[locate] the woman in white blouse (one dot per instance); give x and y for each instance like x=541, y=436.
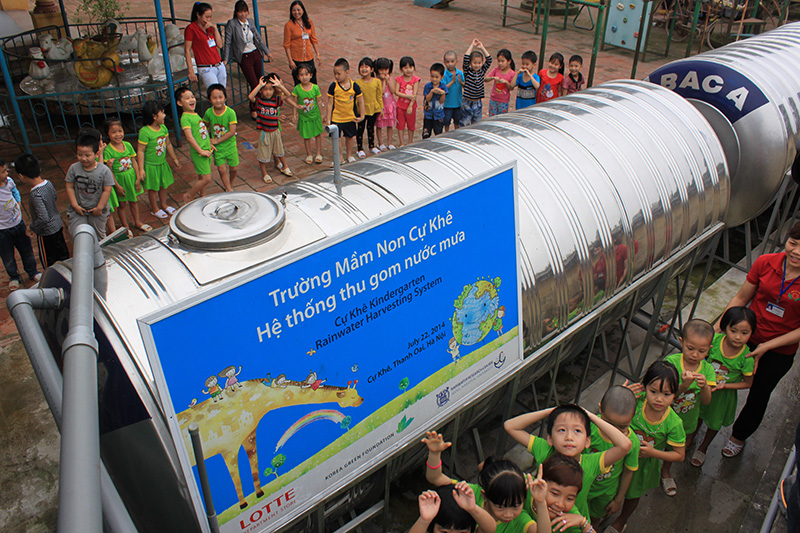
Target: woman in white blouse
x=243, y=44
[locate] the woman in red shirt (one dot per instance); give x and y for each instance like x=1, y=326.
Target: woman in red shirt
x=772, y=290
x=202, y=38
x=300, y=41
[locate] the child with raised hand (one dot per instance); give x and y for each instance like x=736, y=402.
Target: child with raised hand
x=551, y=79
x=407, y=89
x=476, y=65
x=608, y=490
x=196, y=133
x=734, y=371
x=222, y=122
x=433, y=96
x=372, y=91
x=154, y=146
x=388, y=117
x=501, y=489
x=120, y=156
x=454, y=81
x=657, y=426
x=267, y=97
x=309, y=121
x=574, y=81
x=562, y=480
x=46, y=221
x=696, y=378
x=503, y=77
x=452, y=509
x=569, y=433
x=89, y=185
x=527, y=81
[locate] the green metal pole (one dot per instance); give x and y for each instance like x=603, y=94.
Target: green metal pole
x=598, y=31
x=543, y=43
x=695, y=18
x=566, y=15
x=642, y=20
x=650, y=9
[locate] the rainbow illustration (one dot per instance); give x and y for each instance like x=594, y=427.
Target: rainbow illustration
x=322, y=414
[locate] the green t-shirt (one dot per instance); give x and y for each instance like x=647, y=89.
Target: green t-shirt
x=593, y=465
x=606, y=484
x=307, y=100
x=198, y=129
x=686, y=403
x=658, y=434
x=574, y=510
x=729, y=370
x=155, y=143
x=220, y=125
x=122, y=167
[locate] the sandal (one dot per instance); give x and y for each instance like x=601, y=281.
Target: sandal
x=309, y=160
x=698, y=459
x=318, y=159
x=130, y=234
x=145, y=227
x=266, y=179
x=669, y=486
x=159, y=214
x=286, y=171
x=732, y=449
x=171, y=210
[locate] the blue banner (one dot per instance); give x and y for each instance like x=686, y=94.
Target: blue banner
x=302, y=377
x=734, y=95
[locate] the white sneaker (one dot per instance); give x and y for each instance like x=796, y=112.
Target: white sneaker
x=351, y=159
x=382, y=148
x=392, y=147
x=361, y=154
x=375, y=151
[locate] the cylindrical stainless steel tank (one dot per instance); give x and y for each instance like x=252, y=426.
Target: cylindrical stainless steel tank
x=612, y=181
x=750, y=92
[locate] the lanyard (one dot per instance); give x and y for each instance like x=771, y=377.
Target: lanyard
x=783, y=280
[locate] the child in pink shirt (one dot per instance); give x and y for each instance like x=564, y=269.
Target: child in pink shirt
x=503, y=77
x=407, y=89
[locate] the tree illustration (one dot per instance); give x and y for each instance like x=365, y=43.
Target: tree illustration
x=345, y=424
x=278, y=461
x=404, y=384
x=270, y=471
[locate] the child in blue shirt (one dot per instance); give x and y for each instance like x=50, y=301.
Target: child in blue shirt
x=434, y=95
x=527, y=81
x=454, y=81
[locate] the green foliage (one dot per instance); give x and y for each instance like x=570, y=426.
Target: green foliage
x=404, y=423
x=459, y=303
x=403, y=384
x=496, y=282
x=278, y=461
x=345, y=424
x=99, y=11
x=270, y=471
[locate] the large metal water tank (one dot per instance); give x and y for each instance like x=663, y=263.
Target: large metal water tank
x=612, y=181
x=750, y=93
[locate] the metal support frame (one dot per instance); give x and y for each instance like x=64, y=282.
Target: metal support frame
x=13, y=97
x=167, y=67
x=200, y=461
x=772, y=512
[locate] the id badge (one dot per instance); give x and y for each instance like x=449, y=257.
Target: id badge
x=211, y=42
x=775, y=309
x=305, y=36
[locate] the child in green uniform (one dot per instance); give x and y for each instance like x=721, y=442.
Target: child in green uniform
x=453, y=509
x=501, y=489
x=119, y=155
x=734, y=371
x=309, y=122
x=196, y=133
x=696, y=378
x=154, y=146
x=656, y=425
x=608, y=490
x=221, y=121
x=563, y=480
x=568, y=433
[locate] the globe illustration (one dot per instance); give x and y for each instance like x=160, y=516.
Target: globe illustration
x=476, y=311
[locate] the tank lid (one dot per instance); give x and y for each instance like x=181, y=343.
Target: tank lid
x=227, y=220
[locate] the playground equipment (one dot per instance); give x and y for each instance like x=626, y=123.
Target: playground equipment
x=621, y=188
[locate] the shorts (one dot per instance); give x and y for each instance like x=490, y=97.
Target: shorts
x=431, y=126
x=157, y=177
x=346, y=129
x=227, y=156
x=269, y=145
x=451, y=113
x=471, y=111
x=497, y=108
x=202, y=165
x=406, y=121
